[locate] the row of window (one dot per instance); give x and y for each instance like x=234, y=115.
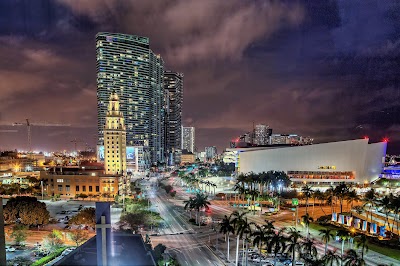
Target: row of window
x=77, y=188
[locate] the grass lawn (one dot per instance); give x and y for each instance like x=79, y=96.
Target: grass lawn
x=390, y=252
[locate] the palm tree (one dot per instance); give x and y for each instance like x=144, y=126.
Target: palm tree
x=318, y=194
x=341, y=192
x=362, y=241
x=277, y=243
x=351, y=197
x=352, y=259
x=262, y=235
x=370, y=199
x=293, y=241
x=237, y=220
x=331, y=257
x=343, y=235
x=200, y=201
x=307, y=219
x=330, y=196
x=386, y=204
x=327, y=235
x=226, y=228
x=189, y=204
x=308, y=249
x=307, y=192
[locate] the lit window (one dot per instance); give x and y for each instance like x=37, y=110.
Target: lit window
x=60, y=180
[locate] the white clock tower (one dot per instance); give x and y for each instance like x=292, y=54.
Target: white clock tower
x=114, y=139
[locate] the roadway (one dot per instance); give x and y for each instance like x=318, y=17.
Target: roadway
x=177, y=234
x=283, y=219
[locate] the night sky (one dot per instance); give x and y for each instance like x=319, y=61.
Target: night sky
x=326, y=69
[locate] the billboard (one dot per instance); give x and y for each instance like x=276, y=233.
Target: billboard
x=131, y=154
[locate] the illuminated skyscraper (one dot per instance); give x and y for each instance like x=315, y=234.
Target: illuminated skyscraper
x=126, y=65
x=261, y=135
x=188, y=139
x=114, y=139
x=173, y=84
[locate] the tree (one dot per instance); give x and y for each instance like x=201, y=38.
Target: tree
x=189, y=205
x=243, y=229
x=28, y=210
x=309, y=249
x=341, y=191
x=307, y=192
x=78, y=236
x=226, y=228
x=352, y=259
x=307, y=219
x=158, y=251
x=262, y=235
x=370, y=200
x=362, y=241
x=343, y=235
x=86, y=216
x=331, y=258
x=19, y=234
x=277, y=243
x=327, y=235
x=293, y=241
x=53, y=241
x=238, y=218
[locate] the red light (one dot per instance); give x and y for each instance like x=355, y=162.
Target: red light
x=386, y=140
x=366, y=137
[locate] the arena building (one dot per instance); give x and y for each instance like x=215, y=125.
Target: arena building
x=352, y=161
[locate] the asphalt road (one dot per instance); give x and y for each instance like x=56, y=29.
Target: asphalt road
x=282, y=219
x=180, y=240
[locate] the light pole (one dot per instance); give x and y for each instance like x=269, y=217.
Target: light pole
x=41, y=184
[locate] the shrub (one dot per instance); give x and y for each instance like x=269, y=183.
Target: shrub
x=49, y=258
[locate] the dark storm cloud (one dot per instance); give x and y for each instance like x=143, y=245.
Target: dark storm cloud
x=318, y=68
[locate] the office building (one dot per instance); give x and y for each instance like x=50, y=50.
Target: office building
x=352, y=161
x=211, y=152
x=188, y=141
x=114, y=139
x=173, y=85
x=127, y=65
x=261, y=135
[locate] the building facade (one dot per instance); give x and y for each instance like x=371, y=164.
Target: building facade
x=126, y=64
x=114, y=139
x=353, y=161
x=261, y=135
x=188, y=139
x=211, y=152
x=90, y=183
x=173, y=85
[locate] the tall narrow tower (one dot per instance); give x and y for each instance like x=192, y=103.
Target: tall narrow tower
x=114, y=138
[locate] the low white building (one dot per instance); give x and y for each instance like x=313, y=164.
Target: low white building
x=352, y=161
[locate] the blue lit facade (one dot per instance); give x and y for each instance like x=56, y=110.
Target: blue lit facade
x=391, y=172
x=126, y=64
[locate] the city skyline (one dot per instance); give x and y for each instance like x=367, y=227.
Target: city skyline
x=325, y=69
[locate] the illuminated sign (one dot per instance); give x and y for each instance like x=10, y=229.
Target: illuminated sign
x=327, y=167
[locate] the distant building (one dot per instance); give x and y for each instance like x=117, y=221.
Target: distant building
x=352, y=161
x=211, y=152
x=114, y=139
x=126, y=64
x=187, y=157
x=173, y=85
x=91, y=183
x=202, y=156
x=188, y=139
x=261, y=136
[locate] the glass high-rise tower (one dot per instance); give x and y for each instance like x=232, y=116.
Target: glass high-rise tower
x=127, y=65
x=173, y=84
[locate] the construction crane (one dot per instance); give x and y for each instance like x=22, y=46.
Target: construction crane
x=28, y=124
